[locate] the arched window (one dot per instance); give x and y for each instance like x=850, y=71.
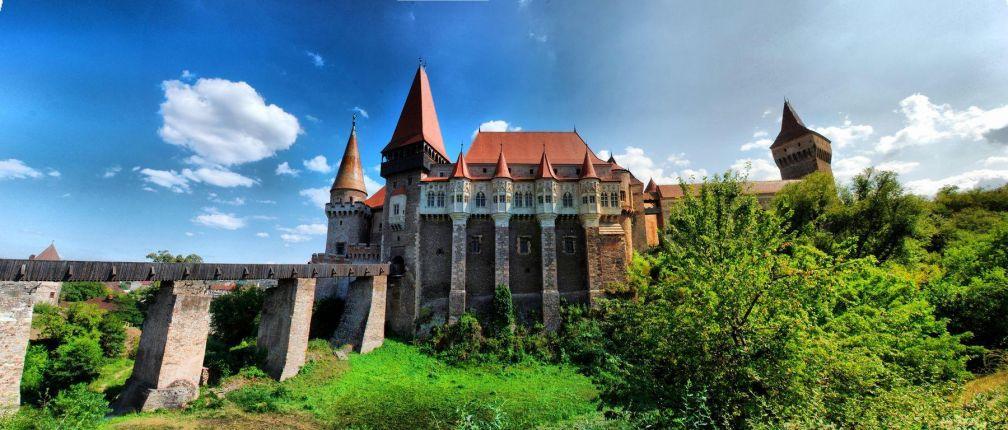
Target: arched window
x=480, y=199
x=528, y=199
x=440, y=199
x=605, y=200
x=517, y=199
x=568, y=200
x=430, y=199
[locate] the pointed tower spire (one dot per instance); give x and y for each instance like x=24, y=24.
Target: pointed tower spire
x=502, y=167
x=587, y=169
x=545, y=168
x=350, y=177
x=792, y=125
x=651, y=187
x=615, y=165
x=461, y=170
x=418, y=120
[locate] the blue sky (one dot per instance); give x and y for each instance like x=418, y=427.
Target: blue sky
x=127, y=127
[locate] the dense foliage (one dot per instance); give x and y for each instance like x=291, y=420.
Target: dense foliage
x=81, y=291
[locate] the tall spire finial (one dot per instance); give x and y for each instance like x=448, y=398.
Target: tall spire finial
x=353, y=124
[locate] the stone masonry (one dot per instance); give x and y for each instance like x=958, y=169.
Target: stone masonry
x=169, y=360
x=550, y=293
x=284, y=325
x=501, y=253
x=456, y=298
x=15, y=327
x=362, y=326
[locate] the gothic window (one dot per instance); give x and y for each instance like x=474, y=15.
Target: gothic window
x=517, y=199
x=340, y=248
x=549, y=198
x=395, y=209
x=524, y=245
x=568, y=200
x=540, y=199
x=568, y=245
x=480, y=199
x=591, y=199
x=458, y=198
x=474, y=244
x=605, y=200
x=622, y=196
x=528, y=199
x=430, y=199
x=584, y=200
x=440, y=199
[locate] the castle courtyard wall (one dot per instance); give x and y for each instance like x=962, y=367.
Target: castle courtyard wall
x=435, y=267
x=572, y=274
x=479, y=282
x=526, y=275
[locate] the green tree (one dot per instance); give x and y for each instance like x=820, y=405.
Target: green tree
x=112, y=335
x=164, y=256
x=33, y=375
x=78, y=408
x=75, y=361
x=803, y=204
x=235, y=316
x=82, y=291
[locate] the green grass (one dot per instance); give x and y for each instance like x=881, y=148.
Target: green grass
x=396, y=387
x=112, y=375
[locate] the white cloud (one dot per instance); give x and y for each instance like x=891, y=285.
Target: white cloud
x=767, y=113
x=926, y=123
x=218, y=177
x=318, y=164
x=312, y=118
x=54, y=173
x=985, y=178
x=847, y=167
x=316, y=59
x=495, y=125
x=317, y=196
x=224, y=122
x=996, y=161
x=763, y=144
x=371, y=185
x=267, y=202
x=111, y=172
x=237, y=201
x=294, y=238
x=314, y=229
x=678, y=159
x=846, y=134
x=262, y=234
x=644, y=168
x=538, y=37
x=169, y=179
x=211, y=217
x=189, y=233
x=187, y=75
x=12, y=168
x=899, y=167
x=285, y=169
x=757, y=169
x=360, y=111
x=759, y=133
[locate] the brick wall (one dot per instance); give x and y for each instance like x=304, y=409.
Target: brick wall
x=435, y=262
x=526, y=269
x=572, y=276
x=479, y=266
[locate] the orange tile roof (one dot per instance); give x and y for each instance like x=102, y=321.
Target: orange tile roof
x=587, y=168
x=502, y=170
x=545, y=167
x=351, y=173
x=525, y=147
x=461, y=168
x=48, y=254
x=418, y=120
x=377, y=199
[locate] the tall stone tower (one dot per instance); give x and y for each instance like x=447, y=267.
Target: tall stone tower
x=349, y=217
x=799, y=151
x=415, y=146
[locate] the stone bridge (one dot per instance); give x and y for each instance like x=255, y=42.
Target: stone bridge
x=169, y=359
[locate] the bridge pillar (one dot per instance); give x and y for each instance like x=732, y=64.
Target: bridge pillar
x=15, y=328
x=283, y=327
x=169, y=360
x=363, y=323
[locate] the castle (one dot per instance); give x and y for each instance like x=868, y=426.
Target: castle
x=538, y=212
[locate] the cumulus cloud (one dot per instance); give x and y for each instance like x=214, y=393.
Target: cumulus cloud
x=213, y=218
x=318, y=164
x=317, y=196
x=316, y=59
x=169, y=179
x=644, y=167
x=218, y=177
x=54, y=173
x=262, y=234
x=314, y=229
x=900, y=167
x=237, y=201
x=761, y=144
x=312, y=118
x=998, y=135
x=538, y=37
x=756, y=169
x=111, y=172
x=984, y=178
x=847, y=167
x=495, y=125
x=13, y=168
x=371, y=185
x=846, y=134
x=187, y=75
x=996, y=161
x=926, y=123
x=285, y=169
x=360, y=111
x=294, y=238
x=224, y=122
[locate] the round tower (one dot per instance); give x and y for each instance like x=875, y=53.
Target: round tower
x=349, y=217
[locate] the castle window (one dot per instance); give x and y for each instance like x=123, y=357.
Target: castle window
x=474, y=244
x=458, y=198
x=549, y=198
x=605, y=200
x=584, y=200
x=568, y=200
x=528, y=199
x=395, y=209
x=517, y=199
x=578, y=171
x=440, y=199
x=430, y=200
x=568, y=244
x=531, y=171
x=540, y=199
x=524, y=245
x=440, y=174
x=340, y=248
x=480, y=199
x=622, y=196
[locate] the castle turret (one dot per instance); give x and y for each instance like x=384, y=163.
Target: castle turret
x=349, y=183
x=546, y=185
x=799, y=151
x=589, y=187
x=501, y=187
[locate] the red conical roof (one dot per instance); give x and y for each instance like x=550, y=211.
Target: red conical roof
x=587, y=168
x=545, y=168
x=502, y=167
x=351, y=173
x=48, y=254
x=418, y=120
x=461, y=168
x=651, y=186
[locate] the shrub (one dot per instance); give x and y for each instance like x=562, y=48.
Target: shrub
x=325, y=317
x=260, y=398
x=33, y=376
x=235, y=316
x=82, y=291
x=78, y=408
x=76, y=361
x=113, y=335
x=459, y=341
x=128, y=308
